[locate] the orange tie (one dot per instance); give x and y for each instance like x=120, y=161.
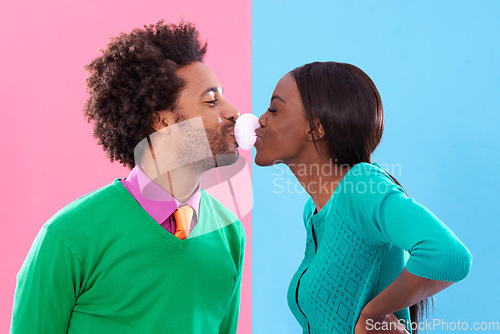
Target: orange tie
x=182, y=217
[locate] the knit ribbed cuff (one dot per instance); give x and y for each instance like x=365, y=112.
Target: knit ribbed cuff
x=450, y=267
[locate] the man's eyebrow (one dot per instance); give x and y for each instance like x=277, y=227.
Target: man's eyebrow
x=212, y=89
x=277, y=97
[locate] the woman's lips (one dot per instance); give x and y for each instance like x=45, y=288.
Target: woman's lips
x=258, y=138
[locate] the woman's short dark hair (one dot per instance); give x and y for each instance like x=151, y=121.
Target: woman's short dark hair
x=348, y=106
x=134, y=78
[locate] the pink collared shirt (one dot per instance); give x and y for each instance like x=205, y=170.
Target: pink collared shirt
x=156, y=201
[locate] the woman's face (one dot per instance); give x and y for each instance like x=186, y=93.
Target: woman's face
x=282, y=136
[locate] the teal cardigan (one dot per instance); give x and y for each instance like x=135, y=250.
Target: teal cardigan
x=359, y=243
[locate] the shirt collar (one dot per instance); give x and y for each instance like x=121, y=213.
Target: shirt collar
x=155, y=200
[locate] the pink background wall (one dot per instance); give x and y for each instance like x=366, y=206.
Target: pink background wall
x=50, y=156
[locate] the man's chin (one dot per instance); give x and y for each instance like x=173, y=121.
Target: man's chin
x=225, y=159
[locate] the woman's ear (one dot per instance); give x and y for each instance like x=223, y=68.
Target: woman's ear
x=315, y=131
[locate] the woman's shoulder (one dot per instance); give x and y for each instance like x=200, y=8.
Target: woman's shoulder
x=367, y=181
x=363, y=190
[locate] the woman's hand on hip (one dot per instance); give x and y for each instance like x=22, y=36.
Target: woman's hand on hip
x=388, y=324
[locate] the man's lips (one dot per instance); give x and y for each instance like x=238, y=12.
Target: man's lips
x=228, y=128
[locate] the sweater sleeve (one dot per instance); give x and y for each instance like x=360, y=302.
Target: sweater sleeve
x=47, y=286
x=229, y=323
x=390, y=216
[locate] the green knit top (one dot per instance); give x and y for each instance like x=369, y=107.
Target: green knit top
x=103, y=265
x=358, y=244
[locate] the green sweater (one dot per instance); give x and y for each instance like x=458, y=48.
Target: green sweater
x=103, y=265
x=357, y=245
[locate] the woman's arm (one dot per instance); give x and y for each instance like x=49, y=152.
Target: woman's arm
x=387, y=215
x=437, y=257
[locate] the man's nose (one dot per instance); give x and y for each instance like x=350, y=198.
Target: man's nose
x=230, y=112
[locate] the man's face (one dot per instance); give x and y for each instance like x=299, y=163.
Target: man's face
x=202, y=97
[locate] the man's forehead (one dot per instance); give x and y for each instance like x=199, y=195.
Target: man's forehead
x=198, y=76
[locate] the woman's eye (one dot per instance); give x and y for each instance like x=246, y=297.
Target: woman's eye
x=271, y=110
x=212, y=102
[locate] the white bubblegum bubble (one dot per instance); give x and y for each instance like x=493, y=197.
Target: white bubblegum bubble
x=244, y=130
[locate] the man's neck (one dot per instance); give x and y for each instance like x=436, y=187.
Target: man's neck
x=180, y=183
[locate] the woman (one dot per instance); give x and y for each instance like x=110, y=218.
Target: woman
x=324, y=122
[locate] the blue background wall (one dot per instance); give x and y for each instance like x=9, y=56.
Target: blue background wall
x=437, y=67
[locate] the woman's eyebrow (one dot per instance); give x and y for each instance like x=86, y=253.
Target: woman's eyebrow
x=277, y=97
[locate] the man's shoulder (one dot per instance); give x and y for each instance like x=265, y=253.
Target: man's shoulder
x=208, y=200
x=225, y=217
x=96, y=204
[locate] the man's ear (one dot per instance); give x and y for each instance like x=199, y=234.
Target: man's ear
x=315, y=131
x=162, y=119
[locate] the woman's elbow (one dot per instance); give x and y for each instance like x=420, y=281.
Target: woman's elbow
x=462, y=263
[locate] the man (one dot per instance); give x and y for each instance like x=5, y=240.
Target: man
x=152, y=253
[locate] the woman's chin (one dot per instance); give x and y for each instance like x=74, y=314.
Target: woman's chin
x=265, y=162
x=260, y=161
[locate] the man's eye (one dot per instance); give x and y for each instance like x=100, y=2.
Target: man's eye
x=212, y=102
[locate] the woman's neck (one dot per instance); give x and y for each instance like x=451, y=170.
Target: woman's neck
x=319, y=176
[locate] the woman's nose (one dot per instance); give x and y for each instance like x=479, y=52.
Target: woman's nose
x=263, y=119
